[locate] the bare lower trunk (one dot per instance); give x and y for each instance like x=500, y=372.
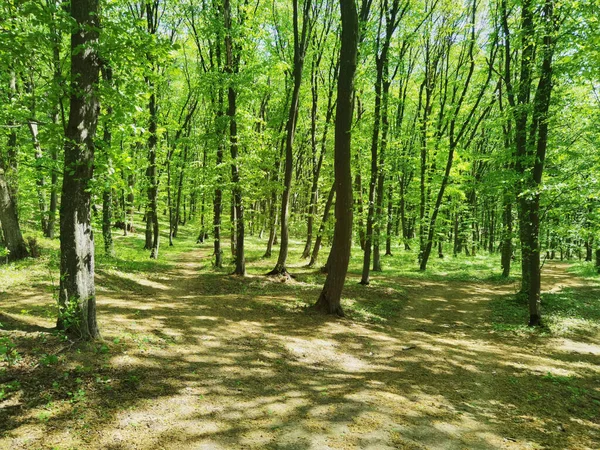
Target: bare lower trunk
x=272, y=225
x=390, y=221
x=107, y=221
x=507, y=231
x=13, y=237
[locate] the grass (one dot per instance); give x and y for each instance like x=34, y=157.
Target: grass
x=586, y=269
x=568, y=312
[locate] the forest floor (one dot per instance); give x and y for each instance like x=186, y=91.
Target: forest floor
x=195, y=358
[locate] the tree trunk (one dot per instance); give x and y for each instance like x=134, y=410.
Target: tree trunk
x=329, y=301
x=390, y=222
x=107, y=197
x=152, y=227
x=507, y=239
x=40, y=180
x=273, y=213
x=317, y=247
x=152, y=230
x=10, y=223
x=231, y=67
x=53, y=207
x=176, y=220
x=77, y=298
x=300, y=44
x=218, y=199
x=170, y=203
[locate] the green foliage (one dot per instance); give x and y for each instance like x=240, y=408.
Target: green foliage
x=8, y=351
x=48, y=360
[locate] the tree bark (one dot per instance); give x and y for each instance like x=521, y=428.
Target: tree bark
x=329, y=301
x=231, y=67
x=13, y=237
x=107, y=197
x=77, y=298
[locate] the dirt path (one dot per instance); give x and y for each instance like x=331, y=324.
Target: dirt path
x=202, y=360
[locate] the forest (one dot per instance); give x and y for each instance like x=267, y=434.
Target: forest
x=303, y=224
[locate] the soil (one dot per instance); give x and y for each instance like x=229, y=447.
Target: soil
x=192, y=359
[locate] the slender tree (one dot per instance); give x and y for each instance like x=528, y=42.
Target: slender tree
x=301, y=39
x=329, y=300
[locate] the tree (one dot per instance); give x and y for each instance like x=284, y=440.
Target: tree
x=531, y=129
x=77, y=296
x=301, y=38
x=329, y=300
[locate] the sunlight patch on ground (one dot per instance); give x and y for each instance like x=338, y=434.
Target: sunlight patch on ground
x=584, y=348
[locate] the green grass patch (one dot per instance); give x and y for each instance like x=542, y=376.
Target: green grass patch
x=572, y=311
x=585, y=269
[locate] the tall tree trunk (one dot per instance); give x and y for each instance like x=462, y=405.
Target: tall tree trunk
x=359, y=204
x=273, y=213
x=152, y=227
x=233, y=226
x=107, y=197
x=152, y=230
x=40, y=179
x=53, y=206
x=300, y=45
x=77, y=297
x=130, y=202
x=381, y=170
x=170, y=203
x=57, y=115
x=231, y=67
x=403, y=219
x=372, y=184
x=330, y=299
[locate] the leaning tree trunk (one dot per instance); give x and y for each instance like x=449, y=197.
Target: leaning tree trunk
x=77, y=298
x=329, y=300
